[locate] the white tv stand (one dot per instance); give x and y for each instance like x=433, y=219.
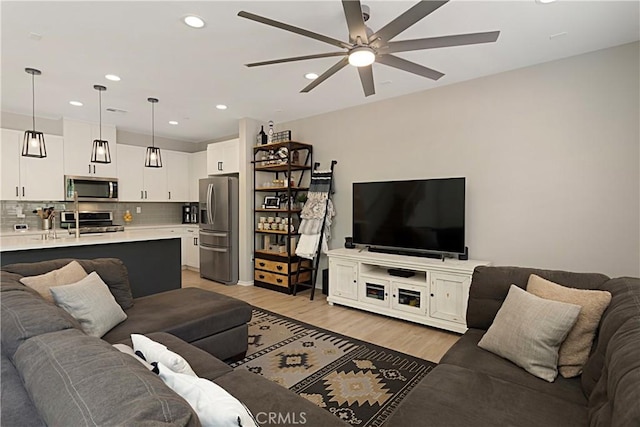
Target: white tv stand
x=436, y=295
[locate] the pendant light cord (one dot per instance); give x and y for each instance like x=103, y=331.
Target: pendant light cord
x=153, y=125
x=100, y=113
x=33, y=100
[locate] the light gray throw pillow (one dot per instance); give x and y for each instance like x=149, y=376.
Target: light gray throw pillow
x=91, y=303
x=528, y=331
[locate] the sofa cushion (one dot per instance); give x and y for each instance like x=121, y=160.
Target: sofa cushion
x=455, y=396
x=188, y=313
x=575, y=349
x=625, y=304
x=213, y=404
x=74, y=379
x=203, y=364
x=91, y=304
x=154, y=352
x=17, y=408
x=616, y=396
x=112, y=271
x=66, y=275
x=528, y=330
x=490, y=285
x=25, y=314
x=466, y=354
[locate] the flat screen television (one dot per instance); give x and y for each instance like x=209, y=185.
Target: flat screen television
x=417, y=217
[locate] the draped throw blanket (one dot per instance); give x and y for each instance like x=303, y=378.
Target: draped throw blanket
x=313, y=213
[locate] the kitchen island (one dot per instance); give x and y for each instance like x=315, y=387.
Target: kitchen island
x=152, y=256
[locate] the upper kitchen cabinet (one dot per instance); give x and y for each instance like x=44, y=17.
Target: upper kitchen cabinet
x=78, y=142
x=30, y=178
x=197, y=171
x=223, y=157
x=139, y=183
x=177, y=175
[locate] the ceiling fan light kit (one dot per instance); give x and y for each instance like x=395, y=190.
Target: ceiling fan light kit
x=153, y=159
x=33, y=144
x=100, y=150
x=366, y=47
x=361, y=56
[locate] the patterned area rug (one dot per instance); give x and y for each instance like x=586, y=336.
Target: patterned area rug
x=359, y=382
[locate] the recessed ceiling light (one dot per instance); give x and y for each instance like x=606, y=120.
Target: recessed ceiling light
x=112, y=77
x=221, y=107
x=545, y=1
x=311, y=76
x=173, y=122
x=194, y=21
x=76, y=103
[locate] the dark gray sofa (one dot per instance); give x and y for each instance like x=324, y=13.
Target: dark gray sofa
x=54, y=374
x=213, y=322
x=473, y=387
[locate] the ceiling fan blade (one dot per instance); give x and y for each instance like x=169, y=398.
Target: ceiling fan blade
x=293, y=29
x=296, y=58
x=436, y=42
x=407, y=19
x=330, y=72
x=412, y=67
x=355, y=22
x=366, y=77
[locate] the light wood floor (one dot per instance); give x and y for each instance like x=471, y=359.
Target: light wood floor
x=418, y=340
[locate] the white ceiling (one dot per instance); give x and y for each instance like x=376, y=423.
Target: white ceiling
x=190, y=71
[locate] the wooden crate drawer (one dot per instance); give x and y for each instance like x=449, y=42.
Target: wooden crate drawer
x=278, y=267
x=279, y=279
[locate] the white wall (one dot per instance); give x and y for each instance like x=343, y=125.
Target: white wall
x=550, y=152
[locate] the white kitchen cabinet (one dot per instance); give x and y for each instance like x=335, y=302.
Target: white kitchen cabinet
x=223, y=157
x=31, y=178
x=139, y=183
x=192, y=248
x=177, y=164
x=130, y=173
x=197, y=171
x=78, y=142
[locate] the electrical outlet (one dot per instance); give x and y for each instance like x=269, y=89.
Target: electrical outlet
x=138, y=209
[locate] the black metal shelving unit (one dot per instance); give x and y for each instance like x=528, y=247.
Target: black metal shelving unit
x=274, y=269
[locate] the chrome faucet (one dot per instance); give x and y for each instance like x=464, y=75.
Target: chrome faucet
x=76, y=213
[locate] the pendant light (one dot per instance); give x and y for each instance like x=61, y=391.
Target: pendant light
x=33, y=143
x=100, y=152
x=153, y=158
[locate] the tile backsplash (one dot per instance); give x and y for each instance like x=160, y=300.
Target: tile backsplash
x=160, y=213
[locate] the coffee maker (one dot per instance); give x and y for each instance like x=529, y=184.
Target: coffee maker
x=187, y=214
x=190, y=214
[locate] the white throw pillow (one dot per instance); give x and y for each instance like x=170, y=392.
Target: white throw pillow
x=70, y=273
x=156, y=352
x=128, y=350
x=214, y=406
x=528, y=331
x=91, y=303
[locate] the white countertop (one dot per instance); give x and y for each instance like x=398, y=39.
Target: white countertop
x=18, y=241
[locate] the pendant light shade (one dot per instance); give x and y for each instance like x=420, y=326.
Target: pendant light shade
x=33, y=144
x=153, y=159
x=100, y=151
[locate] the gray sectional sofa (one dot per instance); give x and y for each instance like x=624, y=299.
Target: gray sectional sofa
x=53, y=373
x=473, y=387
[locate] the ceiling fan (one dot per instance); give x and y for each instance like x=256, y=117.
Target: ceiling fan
x=366, y=47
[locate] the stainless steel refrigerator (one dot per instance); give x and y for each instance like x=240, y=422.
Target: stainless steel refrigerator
x=219, y=229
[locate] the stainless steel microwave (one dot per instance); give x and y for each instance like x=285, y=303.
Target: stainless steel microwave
x=91, y=189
